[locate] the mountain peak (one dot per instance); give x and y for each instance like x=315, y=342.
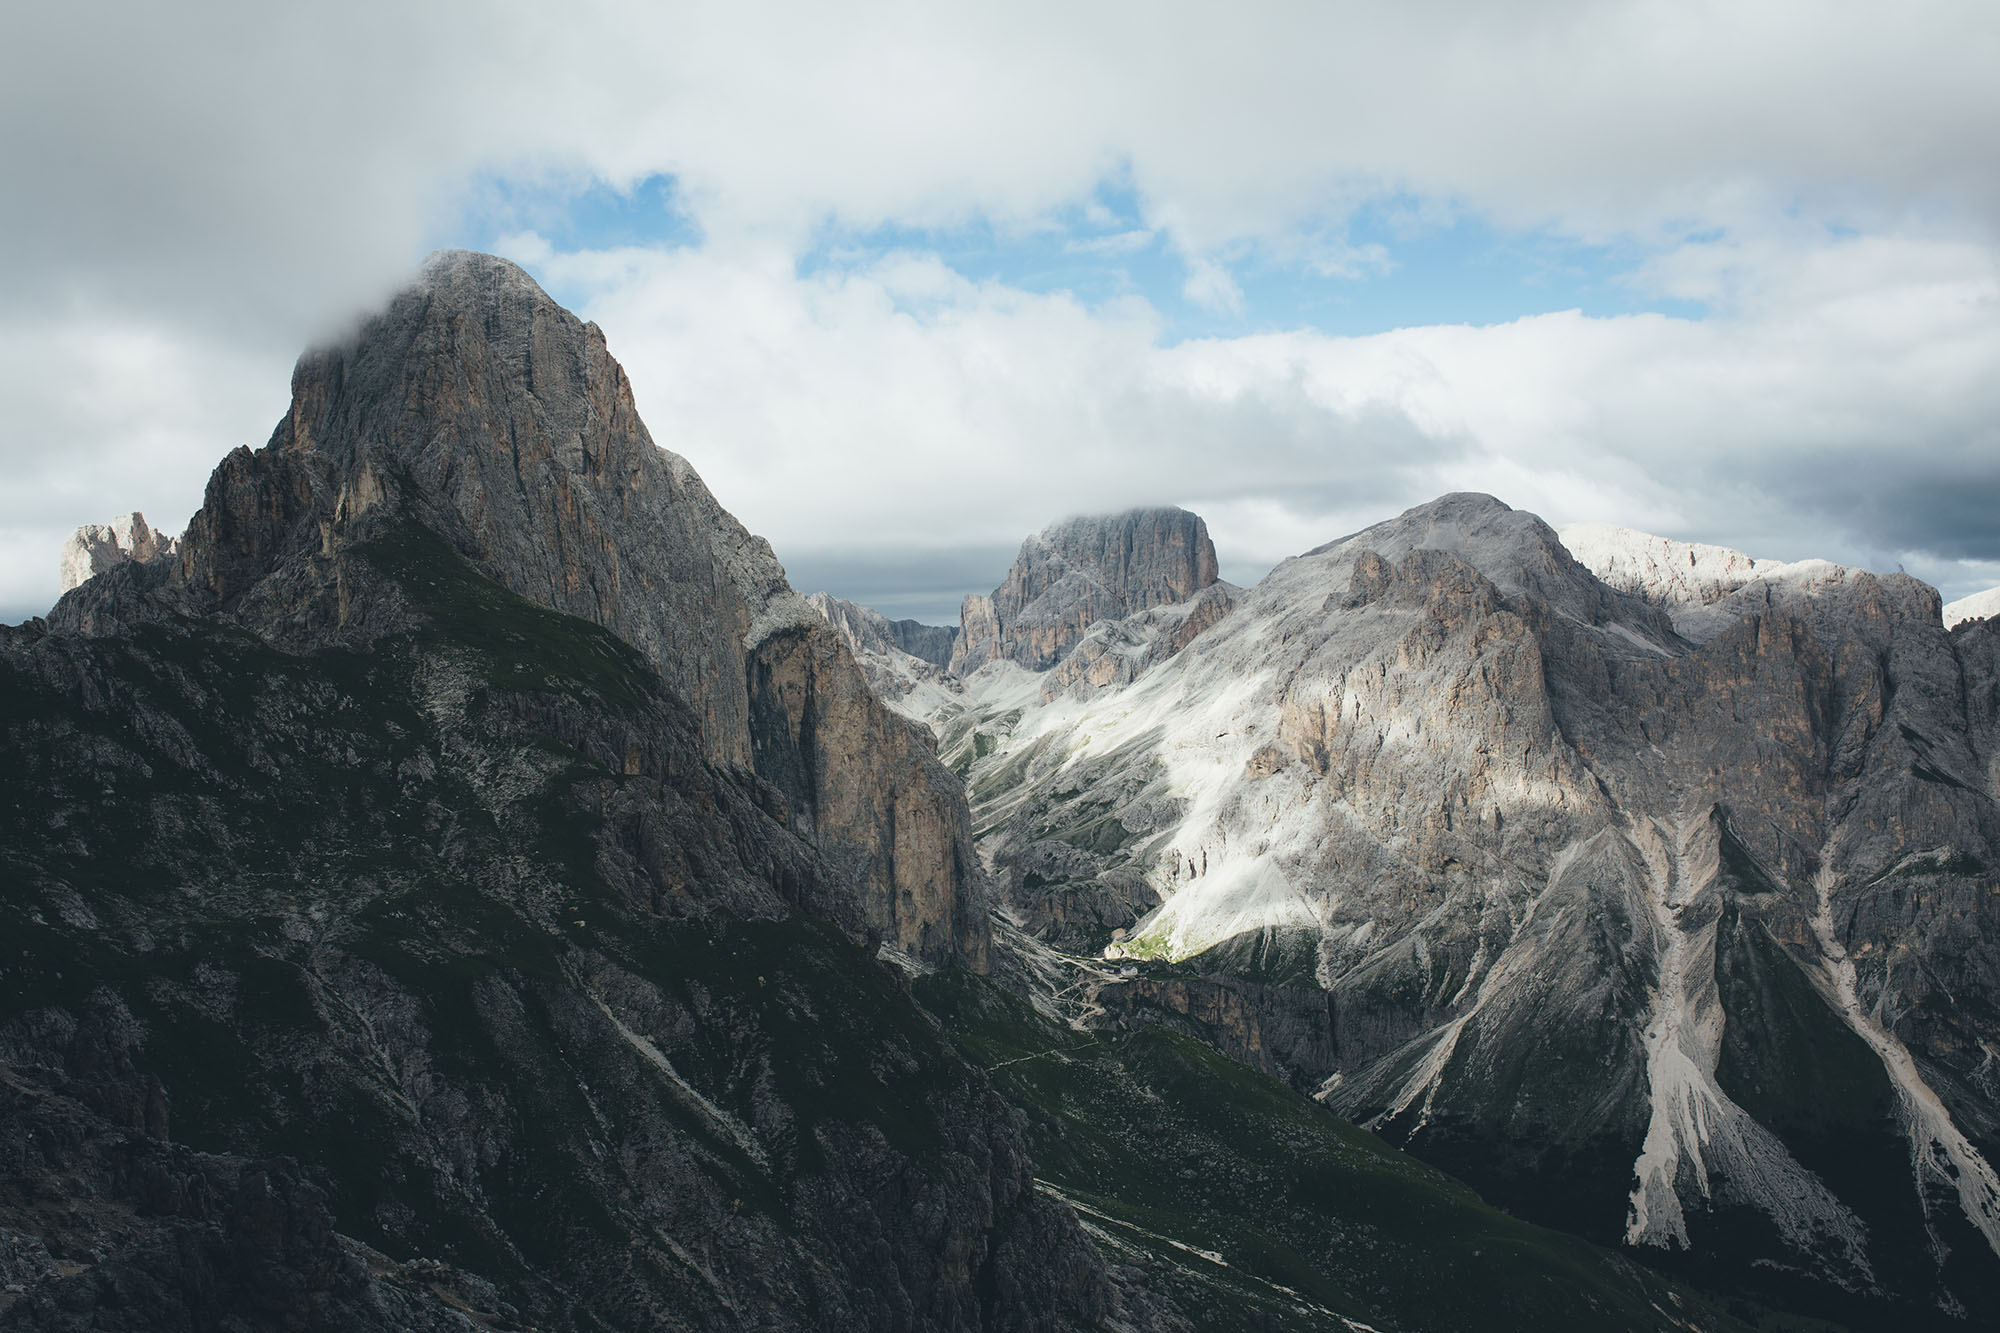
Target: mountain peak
x=1082, y=570
x=96, y=547
x=477, y=408
x=1979, y=606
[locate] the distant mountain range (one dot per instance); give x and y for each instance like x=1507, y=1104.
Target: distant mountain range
x=1648, y=887
x=459, y=884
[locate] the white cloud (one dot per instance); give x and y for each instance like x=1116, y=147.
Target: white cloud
x=900, y=404
x=1209, y=286
x=229, y=179
x=108, y=414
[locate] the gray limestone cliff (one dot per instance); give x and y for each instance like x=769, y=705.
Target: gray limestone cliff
x=482, y=409
x=450, y=891
x=96, y=547
x=1664, y=912
x=868, y=630
x=1078, y=572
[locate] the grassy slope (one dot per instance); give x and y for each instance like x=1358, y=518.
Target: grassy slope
x=1306, y=1221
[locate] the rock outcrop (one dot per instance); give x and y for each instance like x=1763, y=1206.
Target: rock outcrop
x=96, y=547
x=479, y=408
x=451, y=983
x=1660, y=570
x=452, y=891
x=1078, y=572
x=904, y=660
x=868, y=630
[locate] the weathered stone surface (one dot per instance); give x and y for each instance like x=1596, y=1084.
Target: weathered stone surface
x=1590, y=895
x=1978, y=606
x=1117, y=652
x=903, y=660
x=484, y=411
x=96, y=547
x=867, y=630
x=1660, y=570
x=845, y=762
x=1081, y=571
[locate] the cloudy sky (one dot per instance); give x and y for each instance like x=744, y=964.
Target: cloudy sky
x=908, y=281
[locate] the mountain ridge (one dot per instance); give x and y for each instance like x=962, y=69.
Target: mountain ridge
x=1695, y=802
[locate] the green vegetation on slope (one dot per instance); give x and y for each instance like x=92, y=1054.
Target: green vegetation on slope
x=1265, y=1210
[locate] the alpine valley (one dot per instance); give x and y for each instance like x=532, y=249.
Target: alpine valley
x=458, y=883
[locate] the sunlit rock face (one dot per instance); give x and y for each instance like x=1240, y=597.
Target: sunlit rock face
x=1660, y=570
x=1667, y=910
x=96, y=547
x=1079, y=572
x=1979, y=606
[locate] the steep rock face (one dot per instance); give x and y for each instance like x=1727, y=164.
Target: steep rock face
x=820, y=740
x=96, y=547
x=561, y=1021
x=110, y=1225
x=1078, y=572
x=1116, y=652
x=903, y=660
x=502, y=423
x=1595, y=898
x=866, y=630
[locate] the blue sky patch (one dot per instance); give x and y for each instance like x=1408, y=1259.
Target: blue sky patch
x=1395, y=263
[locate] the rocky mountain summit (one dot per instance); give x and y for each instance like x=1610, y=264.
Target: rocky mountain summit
x=1077, y=573
x=1656, y=899
x=1662, y=571
x=478, y=407
x=96, y=547
x=469, y=810
x=1089, y=602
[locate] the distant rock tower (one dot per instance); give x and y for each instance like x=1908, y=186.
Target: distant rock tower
x=1078, y=572
x=96, y=547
